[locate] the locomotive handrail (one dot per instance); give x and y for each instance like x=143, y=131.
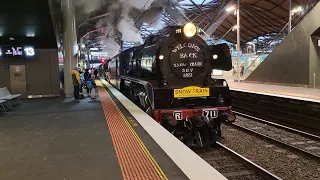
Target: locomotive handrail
x=146, y=83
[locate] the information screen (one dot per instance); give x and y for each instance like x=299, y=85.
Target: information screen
x=17, y=52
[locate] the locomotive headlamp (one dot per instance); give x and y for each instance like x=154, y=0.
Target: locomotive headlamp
x=189, y=30
x=225, y=84
x=215, y=56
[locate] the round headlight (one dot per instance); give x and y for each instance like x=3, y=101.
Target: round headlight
x=189, y=30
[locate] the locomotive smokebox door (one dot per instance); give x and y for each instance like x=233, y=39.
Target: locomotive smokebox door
x=185, y=61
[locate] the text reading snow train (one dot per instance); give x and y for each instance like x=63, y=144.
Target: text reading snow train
x=169, y=77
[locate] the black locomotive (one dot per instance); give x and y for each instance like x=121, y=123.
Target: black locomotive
x=169, y=77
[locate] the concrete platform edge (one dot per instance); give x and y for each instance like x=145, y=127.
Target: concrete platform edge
x=190, y=163
x=277, y=95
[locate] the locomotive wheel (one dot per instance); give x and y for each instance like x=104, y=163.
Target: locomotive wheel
x=168, y=126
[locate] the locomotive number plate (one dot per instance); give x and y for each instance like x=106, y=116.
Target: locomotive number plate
x=192, y=91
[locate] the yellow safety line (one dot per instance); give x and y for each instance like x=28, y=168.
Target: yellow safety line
x=147, y=153
x=144, y=148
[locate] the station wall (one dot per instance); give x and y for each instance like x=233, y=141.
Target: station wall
x=293, y=60
x=42, y=73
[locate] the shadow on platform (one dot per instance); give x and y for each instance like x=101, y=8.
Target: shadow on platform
x=56, y=138
x=51, y=105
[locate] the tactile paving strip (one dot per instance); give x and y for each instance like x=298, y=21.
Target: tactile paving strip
x=135, y=160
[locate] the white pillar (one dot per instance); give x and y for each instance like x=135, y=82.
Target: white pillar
x=238, y=41
x=69, y=35
x=74, y=40
x=290, y=17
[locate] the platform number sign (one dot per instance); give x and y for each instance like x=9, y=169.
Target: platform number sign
x=17, y=52
x=210, y=113
x=177, y=115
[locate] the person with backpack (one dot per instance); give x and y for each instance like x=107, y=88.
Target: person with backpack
x=91, y=85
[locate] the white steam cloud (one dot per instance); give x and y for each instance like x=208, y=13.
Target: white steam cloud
x=90, y=5
x=128, y=30
x=110, y=46
x=139, y=4
x=125, y=22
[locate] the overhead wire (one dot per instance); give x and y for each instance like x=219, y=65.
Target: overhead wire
x=134, y=20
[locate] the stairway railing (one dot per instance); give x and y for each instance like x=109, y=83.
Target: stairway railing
x=277, y=38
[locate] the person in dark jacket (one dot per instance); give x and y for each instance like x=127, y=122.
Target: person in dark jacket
x=96, y=73
x=86, y=74
x=86, y=77
x=76, y=82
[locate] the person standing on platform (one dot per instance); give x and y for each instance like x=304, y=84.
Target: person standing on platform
x=96, y=73
x=242, y=70
x=91, y=85
x=86, y=76
x=76, y=82
x=61, y=75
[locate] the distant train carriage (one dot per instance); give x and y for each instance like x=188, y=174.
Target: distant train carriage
x=169, y=77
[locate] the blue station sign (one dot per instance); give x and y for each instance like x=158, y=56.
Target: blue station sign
x=17, y=52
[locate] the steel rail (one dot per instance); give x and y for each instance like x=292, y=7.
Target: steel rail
x=256, y=168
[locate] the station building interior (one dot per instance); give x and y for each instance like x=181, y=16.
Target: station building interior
x=265, y=113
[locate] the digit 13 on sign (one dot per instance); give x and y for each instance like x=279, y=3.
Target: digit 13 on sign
x=29, y=51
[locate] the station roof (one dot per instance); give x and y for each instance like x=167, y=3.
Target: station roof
x=257, y=18
x=28, y=22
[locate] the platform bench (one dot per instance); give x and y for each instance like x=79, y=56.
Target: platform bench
x=6, y=95
x=2, y=105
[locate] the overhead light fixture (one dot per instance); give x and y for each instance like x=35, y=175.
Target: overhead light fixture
x=215, y=56
x=161, y=57
x=11, y=38
x=230, y=8
x=296, y=10
x=234, y=27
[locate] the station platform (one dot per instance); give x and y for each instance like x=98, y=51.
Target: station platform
x=107, y=138
x=297, y=93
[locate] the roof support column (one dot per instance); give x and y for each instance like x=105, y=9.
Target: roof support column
x=290, y=17
x=221, y=16
x=69, y=44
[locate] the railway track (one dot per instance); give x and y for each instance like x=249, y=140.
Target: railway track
x=232, y=165
x=302, y=115
x=275, y=148
x=301, y=142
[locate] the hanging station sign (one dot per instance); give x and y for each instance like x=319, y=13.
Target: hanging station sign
x=17, y=52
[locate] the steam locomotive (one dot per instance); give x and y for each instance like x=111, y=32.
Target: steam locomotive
x=169, y=77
